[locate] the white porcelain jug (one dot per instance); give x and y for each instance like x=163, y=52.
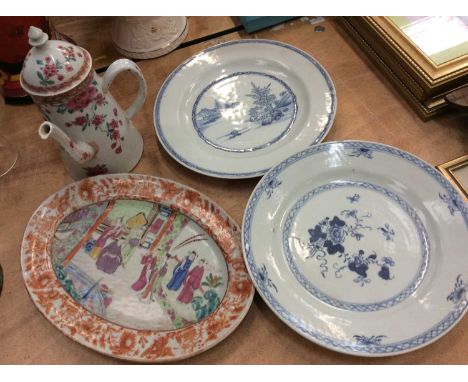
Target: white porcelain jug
x=94, y=134
x=148, y=36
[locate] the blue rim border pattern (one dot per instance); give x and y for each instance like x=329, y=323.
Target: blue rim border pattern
x=387, y=303
x=262, y=146
x=300, y=326
x=193, y=166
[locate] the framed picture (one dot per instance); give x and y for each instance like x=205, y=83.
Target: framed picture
x=435, y=48
x=426, y=58
x=450, y=44
x=457, y=172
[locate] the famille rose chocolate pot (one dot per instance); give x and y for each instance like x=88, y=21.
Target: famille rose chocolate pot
x=95, y=136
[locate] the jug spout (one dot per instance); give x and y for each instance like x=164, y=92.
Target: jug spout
x=80, y=152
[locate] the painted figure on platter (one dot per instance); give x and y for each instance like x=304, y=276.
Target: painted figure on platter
x=107, y=299
x=158, y=274
x=149, y=264
x=134, y=228
x=110, y=257
x=192, y=283
x=111, y=232
x=181, y=270
x=150, y=272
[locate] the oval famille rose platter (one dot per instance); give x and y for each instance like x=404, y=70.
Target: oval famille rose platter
x=136, y=267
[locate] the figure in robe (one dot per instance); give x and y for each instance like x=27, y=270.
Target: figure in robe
x=105, y=295
x=134, y=227
x=180, y=271
x=149, y=263
x=149, y=276
x=110, y=257
x=160, y=275
x=192, y=283
x=112, y=232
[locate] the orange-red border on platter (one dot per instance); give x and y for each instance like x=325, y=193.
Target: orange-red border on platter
x=106, y=337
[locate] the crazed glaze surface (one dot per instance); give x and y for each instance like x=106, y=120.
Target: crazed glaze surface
x=79, y=323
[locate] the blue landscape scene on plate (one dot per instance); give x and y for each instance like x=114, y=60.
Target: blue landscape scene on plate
x=257, y=109
x=269, y=108
x=207, y=116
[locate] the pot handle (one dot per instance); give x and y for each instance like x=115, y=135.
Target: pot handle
x=126, y=65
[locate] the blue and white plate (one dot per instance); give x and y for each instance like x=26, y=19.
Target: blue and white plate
x=238, y=108
x=359, y=247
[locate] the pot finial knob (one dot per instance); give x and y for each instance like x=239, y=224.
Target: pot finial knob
x=36, y=36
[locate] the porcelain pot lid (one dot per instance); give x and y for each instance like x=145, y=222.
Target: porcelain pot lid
x=51, y=66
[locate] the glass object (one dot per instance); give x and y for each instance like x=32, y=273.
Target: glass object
x=8, y=154
x=441, y=38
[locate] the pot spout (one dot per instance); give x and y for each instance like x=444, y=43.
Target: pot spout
x=80, y=152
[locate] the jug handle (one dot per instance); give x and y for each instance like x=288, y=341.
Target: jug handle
x=126, y=65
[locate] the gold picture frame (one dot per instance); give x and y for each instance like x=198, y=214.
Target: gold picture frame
x=452, y=171
x=434, y=75
x=423, y=83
